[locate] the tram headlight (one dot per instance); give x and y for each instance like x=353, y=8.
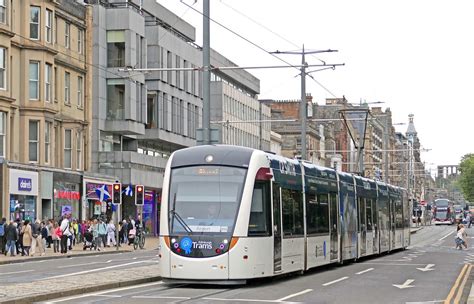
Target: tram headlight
x=225, y=241
x=173, y=241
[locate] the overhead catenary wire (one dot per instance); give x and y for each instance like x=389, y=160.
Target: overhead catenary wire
x=254, y=44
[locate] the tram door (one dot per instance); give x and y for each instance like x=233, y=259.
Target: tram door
x=392, y=224
x=362, y=226
x=277, y=235
x=333, y=226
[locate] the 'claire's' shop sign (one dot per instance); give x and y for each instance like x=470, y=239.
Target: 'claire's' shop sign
x=25, y=184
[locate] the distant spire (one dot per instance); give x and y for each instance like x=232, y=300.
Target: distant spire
x=411, y=126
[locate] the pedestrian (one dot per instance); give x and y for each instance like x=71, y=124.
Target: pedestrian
x=27, y=237
x=50, y=227
x=461, y=237
x=468, y=220
x=3, y=240
x=111, y=234
x=102, y=230
x=11, y=235
x=95, y=234
x=64, y=233
x=37, y=240
x=19, y=243
x=55, y=237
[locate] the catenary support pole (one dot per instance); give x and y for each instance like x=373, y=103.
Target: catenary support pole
x=206, y=89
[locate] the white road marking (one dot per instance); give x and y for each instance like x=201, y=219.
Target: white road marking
x=364, y=271
x=426, y=302
x=22, y=271
x=241, y=300
x=294, y=295
x=104, y=292
x=335, y=281
x=427, y=268
x=161, y=297
x=405, y=285
x=84, y=264
x=395, y=264
x=91, y=270
x=446, y=236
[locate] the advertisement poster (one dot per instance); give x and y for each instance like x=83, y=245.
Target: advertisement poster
x=66, y=209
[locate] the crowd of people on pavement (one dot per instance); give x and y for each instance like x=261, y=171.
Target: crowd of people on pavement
x=22, y=237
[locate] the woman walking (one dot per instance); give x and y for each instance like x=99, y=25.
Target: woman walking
x=461, y=237
x=27, y=237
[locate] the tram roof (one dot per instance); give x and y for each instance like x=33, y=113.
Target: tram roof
x=221, y=155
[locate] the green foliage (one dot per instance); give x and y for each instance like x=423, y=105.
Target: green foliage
x=466, y=179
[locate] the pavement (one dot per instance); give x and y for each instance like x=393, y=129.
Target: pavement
x=151, y=243
x=82, y=282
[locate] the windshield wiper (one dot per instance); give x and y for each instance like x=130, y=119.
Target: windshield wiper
x=178, y=217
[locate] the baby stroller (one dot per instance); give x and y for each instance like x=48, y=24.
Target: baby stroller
x=89, y=241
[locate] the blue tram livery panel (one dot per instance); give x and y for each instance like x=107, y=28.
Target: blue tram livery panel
x=233, y=213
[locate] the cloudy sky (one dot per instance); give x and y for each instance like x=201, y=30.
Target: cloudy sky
x=417, y=56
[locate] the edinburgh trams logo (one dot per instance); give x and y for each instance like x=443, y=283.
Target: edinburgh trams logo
x=287, y=168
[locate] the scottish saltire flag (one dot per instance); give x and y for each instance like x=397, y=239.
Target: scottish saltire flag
x=129, y=190
x=102, y=193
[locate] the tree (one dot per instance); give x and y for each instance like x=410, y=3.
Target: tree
x=466, y=179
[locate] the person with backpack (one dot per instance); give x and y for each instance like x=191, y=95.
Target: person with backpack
x=11, y=235
x=3, y=242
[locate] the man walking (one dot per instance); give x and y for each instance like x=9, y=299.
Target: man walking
x=65, y=233
x=11, y=235
x=3, y=224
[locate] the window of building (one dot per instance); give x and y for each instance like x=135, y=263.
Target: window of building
x=67, y=35
x=67, y=88
x=48, y=70
x=80, y=41
x=68, y=149
x=49, y=26
x=3, y=11
x=47, y=142
x=80, y=88
x=115, y=99
x=34, y=22
x=34, y=80
x=56, y=31
x=78, y=150
x=3, y=72
x=151, y=112
x=169, y=64
x=3, y=131
x=56, y=85
x=178, y=73
x=33, y=141
x=109, y=142
x=115, y=48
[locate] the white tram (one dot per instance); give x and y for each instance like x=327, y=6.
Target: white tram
x=231, y=213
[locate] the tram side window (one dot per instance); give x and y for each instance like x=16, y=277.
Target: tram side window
x=361, y=203
x=368, y=213
x=398, y=214
x=317, y=213
x=260, y=211
x=292, y=212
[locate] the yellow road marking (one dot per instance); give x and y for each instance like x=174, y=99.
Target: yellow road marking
x=455, y=286
x=461, y=287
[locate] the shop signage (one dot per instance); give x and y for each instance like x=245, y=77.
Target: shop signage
x=69, y=195
x=25, y=184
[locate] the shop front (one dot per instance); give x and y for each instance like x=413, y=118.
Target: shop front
x=149, y=211
x=93, y=207
x=23, y=188
x=66, y=195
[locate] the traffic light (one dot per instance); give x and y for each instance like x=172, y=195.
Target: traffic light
x=117, y=193
x=139, y=195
